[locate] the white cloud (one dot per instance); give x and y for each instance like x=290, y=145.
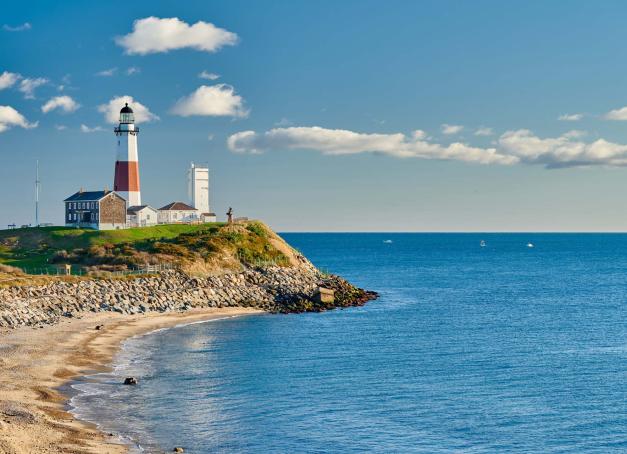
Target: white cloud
x=419, y=134
x=107, y=72
x=153, y=34
x=209, y=76
x=9, y=117
x=28, y=86
x=132, y=70
x=512, y=147
x=60, y=127
x=483, y=131
x=216, y=101
x=65, y=103
x=574, y=134
x=87, y=129
x=570, y=117
x=283, y=122
x=19, y=28
x=7, y=79
x=617, y=114
x=563, y=151
x=66, y=82
x=341, y=142
x=451, y=129
x=111, y=110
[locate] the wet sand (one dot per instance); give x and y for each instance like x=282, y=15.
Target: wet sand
x=35, y=362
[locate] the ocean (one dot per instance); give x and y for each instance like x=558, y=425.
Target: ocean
x=502, y=348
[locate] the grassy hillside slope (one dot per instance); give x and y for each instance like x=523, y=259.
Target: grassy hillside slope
x=204, y=248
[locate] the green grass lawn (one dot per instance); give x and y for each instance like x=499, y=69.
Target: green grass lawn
x=33, y=247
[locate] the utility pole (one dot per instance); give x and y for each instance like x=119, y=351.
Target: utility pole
x=37, y=183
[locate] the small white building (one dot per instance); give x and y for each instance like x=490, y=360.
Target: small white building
x=142, y=216
x=178, y=212
x=208, y=217
x=198, y=178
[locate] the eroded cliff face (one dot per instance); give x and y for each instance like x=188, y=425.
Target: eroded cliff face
x=275, y=289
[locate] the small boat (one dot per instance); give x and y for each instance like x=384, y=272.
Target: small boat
x=388, y=241
x=530, y=245
x=482, y=243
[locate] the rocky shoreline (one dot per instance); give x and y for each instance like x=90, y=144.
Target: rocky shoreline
x=272, y=289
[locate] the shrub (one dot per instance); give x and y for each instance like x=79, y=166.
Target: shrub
x=10, y=269
x=257, y=229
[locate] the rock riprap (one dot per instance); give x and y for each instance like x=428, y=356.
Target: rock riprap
x=274, y=289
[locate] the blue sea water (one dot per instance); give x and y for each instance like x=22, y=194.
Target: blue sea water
x=503, y=348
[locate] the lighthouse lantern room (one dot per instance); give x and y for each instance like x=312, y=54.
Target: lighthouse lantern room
x=126, y=180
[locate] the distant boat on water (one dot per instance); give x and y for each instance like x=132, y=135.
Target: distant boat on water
x=530, y=245
x=482, y=243
x=388, y=241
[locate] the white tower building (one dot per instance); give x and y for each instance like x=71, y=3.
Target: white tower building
x=126, y=182
x=199, y=188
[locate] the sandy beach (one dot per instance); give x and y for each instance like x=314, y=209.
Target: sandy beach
x=35, y=362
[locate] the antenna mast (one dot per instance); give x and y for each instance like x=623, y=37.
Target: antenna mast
x=37, y=183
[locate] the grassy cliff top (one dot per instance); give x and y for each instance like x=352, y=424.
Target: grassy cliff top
x=202, y=248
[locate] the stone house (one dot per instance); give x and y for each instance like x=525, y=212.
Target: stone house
x=178, y=212
x=100, y=210
x=142, y=216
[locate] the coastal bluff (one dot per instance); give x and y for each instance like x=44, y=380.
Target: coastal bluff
x=289, y=283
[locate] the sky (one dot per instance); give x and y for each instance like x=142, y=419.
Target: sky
x=328, y=115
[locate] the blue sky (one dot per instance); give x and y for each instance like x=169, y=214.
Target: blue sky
x=328, y=116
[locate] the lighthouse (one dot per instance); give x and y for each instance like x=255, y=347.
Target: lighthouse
x=126, y=181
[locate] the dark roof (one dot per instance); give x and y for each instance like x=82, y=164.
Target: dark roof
x=126, y=109
x=90, y=196
x=136, y=208
x=180, y=206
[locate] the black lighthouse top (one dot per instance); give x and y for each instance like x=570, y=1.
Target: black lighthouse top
x=126, y=114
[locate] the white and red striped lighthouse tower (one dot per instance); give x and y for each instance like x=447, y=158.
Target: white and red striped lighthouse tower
x=126, y=182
